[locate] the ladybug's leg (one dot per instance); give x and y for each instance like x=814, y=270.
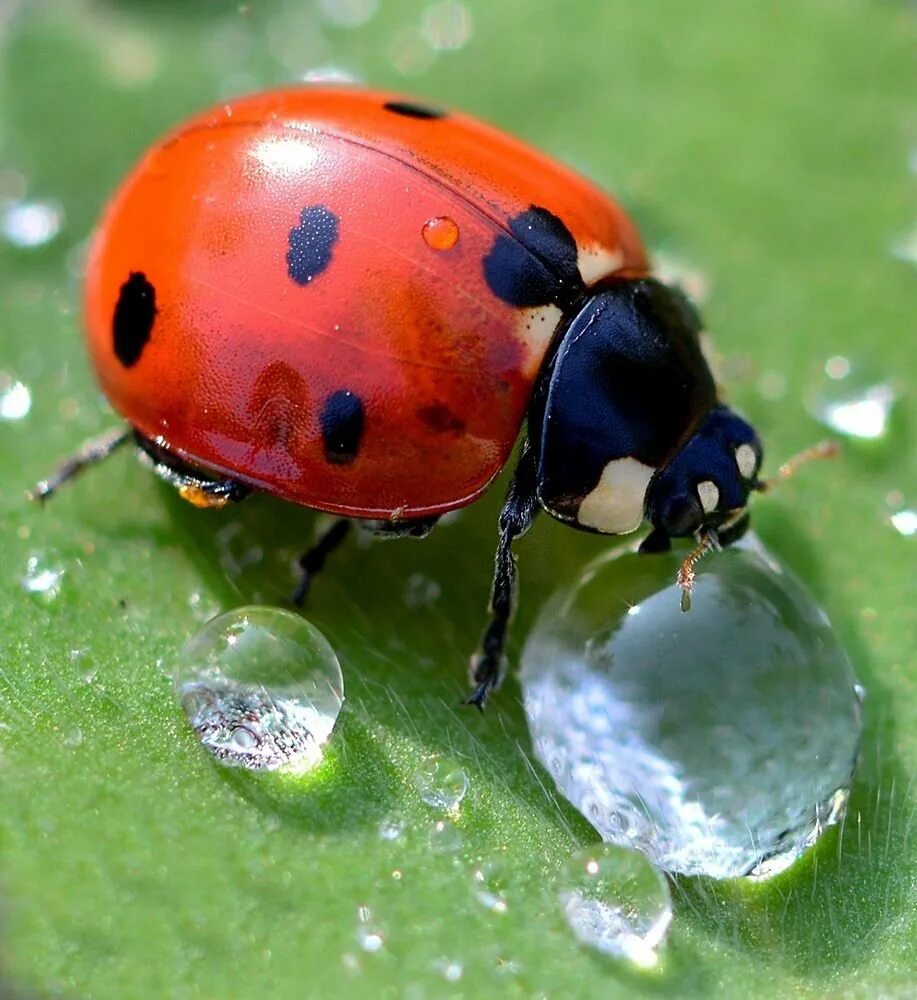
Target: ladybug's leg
x=91, y=453
x=519, y=510
x=313, y=560
x=198, y=487
x=418, y=528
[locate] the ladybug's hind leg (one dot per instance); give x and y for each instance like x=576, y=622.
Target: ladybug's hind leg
x=519, y=510
x=197, y=486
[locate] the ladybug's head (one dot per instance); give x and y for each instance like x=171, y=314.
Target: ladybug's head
x=703, y=491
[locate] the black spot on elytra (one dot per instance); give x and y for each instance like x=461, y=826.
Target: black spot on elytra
x=439, y=418
x=132, y=322
x=312, y=243
x=536, y=264
x=411, y=110
x=342, y=421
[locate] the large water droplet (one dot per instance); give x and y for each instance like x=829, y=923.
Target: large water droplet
x=852, y=402
x=905, y=522
x=262, y=688
x=441, y=782
x=616, y=902
x=713, y=741
x=28, y=224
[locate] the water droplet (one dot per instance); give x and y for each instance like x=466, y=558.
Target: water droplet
x=445, y=837
x=711, y=741
x=43, y=578
x=261, y=688
x=905, y=522
x=348, y=13
x=391, y=828
x=490, y=884
x=369, y=936
x=73, y=737
x=409, y=52
x=15, y=398
x=440, y=233
x=441, y=783
x=447, y=25
x=29, y=224
x=450, y=970
x=616, y=902
x=420, y=591
x=851, y=402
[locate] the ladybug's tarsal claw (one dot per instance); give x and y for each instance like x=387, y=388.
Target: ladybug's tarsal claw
x=478, y=698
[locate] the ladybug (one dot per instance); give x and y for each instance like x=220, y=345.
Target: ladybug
x=355, y=302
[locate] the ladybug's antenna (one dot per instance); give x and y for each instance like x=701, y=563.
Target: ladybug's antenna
x=91, y=453
x=708, y=542
x=824, y=449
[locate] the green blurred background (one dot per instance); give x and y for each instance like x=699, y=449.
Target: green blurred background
x=768, y=152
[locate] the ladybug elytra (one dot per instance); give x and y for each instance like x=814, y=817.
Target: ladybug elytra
x=355, y=302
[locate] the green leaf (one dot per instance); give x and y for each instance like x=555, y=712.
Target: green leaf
x=766, y=145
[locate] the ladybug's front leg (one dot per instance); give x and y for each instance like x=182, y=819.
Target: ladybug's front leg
x=312, y=561
x=519, y=510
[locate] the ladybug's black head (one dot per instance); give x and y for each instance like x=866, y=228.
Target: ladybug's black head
x=705, y=486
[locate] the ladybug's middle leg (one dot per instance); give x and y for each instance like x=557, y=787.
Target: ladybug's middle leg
x=312, y=561
x=519, y=510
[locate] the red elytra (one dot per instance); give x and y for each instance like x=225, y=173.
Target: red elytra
x=314, y=255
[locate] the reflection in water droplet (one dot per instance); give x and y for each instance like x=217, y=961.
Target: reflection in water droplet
x=616, y=902
x=15, y=398
x=490, y=884
x=42, y=578
x=447, y=25
x=261, y=688
x=30, y=224
x=440, y=233
x=369, y=937
x=441, y=783
x=851, y=403
x=712, y=741
x=905, y=522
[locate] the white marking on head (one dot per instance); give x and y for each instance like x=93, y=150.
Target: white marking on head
x=595, y=262
x=746, y=460
x=535, y=328
x=709, y=496
x=615, y=506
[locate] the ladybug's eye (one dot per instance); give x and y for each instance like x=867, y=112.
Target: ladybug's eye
x=747, y=461
x=709, y=495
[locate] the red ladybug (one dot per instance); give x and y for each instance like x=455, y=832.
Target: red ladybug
x=353, y=301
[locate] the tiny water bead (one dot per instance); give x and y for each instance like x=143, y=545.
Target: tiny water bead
x=490, y=882
x=440, y=233
x=43, y=577
x=616, y=902
x=262, y=688
x=441, y=782
x=905, y=522
x=15, y=398
x=369, y=936
x=715, y=741
x=852, y=402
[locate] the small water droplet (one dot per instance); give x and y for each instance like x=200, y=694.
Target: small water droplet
x=29, y=224
x=420, y=591
x=711, y=741
x=449, y=969
x=15, y=398
x=852, y=402
x=441, y=782
x=369, y=936
x=905, y=522
x=348, y=13
x=489, y=880
x=440, y=233
x=391, y=828
x=73, y=737
x=447, y=25
x=43, y=577
x=261, y=688
x=445, y=837
x=616, y=902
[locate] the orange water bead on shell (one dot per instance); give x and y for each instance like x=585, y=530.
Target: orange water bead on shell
x=441, y=233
